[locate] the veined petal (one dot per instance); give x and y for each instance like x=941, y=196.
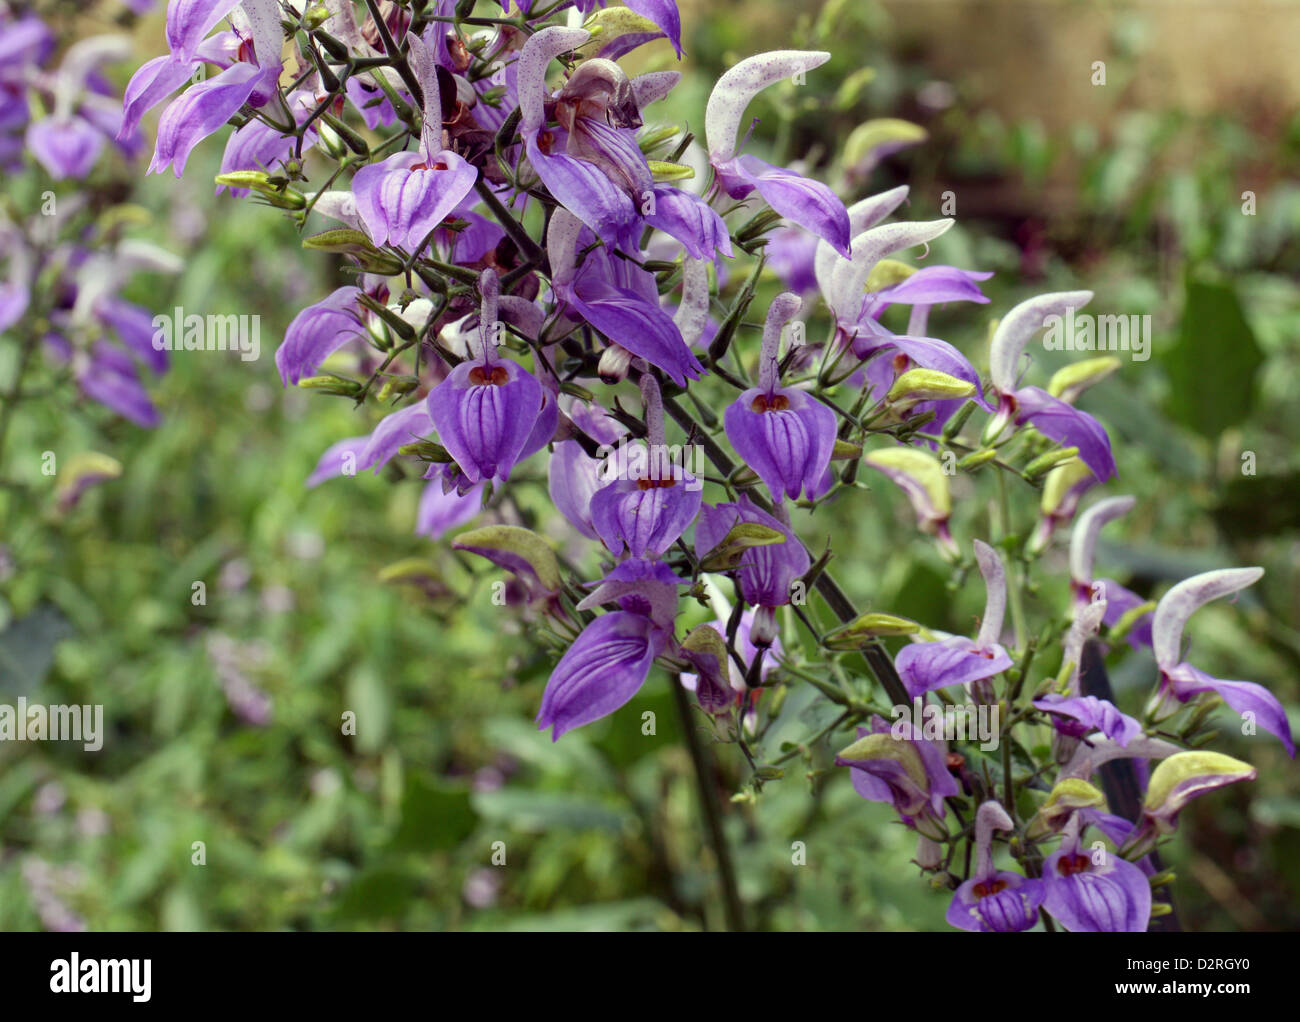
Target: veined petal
x=603, y=669
x=692, y=221
x=789, y=447
x=154, y=82
x=1111, y=897
x=317, y=332
x=1002, y=903
x=189, y=22
x=1186, y=681
x=1076, y=716
x=808, y=203
x=588, y=192
x=484, y=425
x=645, y=329
x=926, y=666
x=404, y=198
x=200, y=111
x=647, y=519
x=1067, y=426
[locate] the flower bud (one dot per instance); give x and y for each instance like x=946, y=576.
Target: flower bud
x=706, y=650
x=1066, y=798
x=614, y=364
x=917, y=385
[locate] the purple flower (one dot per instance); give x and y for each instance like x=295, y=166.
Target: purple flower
x=610, y=660
x=1032, y=405
x=647, y=512
x=1077, y=716
x=67, y=146
x=897, y=766
x=925, y=666
x=442, y=507
x=403, y=199
x=994, y=901
x=766, y=573
x=603, y=669
x=487, y=408
x=1094, y=891
x=317, y=332
x=111, y=379
x=601, y=168
x=784, y=434
x=619, y=299
x=810, y=204
x=250, y=56
x=1180, y=681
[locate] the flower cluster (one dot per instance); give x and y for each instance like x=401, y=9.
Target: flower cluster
x=65, y=259
x=527, y=252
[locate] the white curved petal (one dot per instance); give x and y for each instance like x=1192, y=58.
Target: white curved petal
x=541, y=48
x=268, y=37
x=849, y=278
x=1185, y=599
x=1019, y=325
x=562, y=244
x=426, y=73
x=995, y=600
x=863, y=215
x=653, y=86
x=692, y=315
x=742, y=83
x=1083, y=538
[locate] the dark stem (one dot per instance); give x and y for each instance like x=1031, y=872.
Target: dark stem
x=711, y=809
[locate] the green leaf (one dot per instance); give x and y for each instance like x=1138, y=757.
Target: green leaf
x=434, y=816
x=27, y=648
x=1212, y=368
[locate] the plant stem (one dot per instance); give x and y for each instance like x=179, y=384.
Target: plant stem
x=711, y=810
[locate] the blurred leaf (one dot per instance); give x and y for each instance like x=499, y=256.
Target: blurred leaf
x=1212, y=368
x=27, y=648
x=1253, y=506
x=540, y=811
x=434, y=816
